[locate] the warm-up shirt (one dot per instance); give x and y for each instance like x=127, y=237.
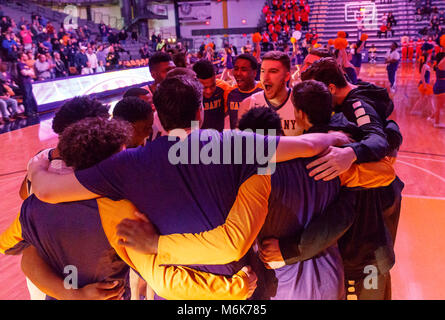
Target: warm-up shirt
x=70, y=238
x=294, y=201
x=83, y=234
x=179, y=197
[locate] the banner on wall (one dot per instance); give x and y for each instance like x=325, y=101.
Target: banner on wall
x=51, y=92
x=194, y=11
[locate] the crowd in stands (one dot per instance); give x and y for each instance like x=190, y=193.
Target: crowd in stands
x=435, y=17
x=282, y=18
x=35, y=49
x=388, y=21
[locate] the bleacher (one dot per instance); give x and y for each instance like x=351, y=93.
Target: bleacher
x=328, y=17
x=18, y=9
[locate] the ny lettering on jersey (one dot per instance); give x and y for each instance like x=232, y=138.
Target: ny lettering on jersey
x=285, y=111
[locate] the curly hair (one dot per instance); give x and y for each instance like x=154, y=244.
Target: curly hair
x=261, y=118
x=91, y=140
x=77, y=109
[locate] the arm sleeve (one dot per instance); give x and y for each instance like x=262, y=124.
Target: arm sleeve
x=169, y=282
x=394, y=136
x=374, y=145
x=322, y=232
x=228, y=242
x=11, y=240
x=369, y=175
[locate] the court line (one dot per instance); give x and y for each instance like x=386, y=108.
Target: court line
x=419, y=158
x=425, y=153
x=423, y=169
x=422, y=197
x=10, y=173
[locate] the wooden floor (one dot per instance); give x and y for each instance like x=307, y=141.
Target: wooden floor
x=420, y=243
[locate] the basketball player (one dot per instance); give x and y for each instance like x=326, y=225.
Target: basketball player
x=160, y=63
x=275, y=73
x=214, y=92
x=245, y=70
x=139, y=114
x=290, y=210
x=204, y=192
x=368, y=106
x=79, y=240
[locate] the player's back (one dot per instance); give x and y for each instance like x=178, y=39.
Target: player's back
x=179, y=196
x=294, y=201
x=70, y=238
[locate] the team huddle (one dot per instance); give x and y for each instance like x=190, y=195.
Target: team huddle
x=108, y=210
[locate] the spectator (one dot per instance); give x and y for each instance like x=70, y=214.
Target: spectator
x=30, y=61
x=383, y=30
x=6, y=102
x=80, y=59
x=25, y=82
x=390, y=29
x=419, y=15
x=60, y=67
x=112, y=59
x=101, y=54
x=26, y=37
x=42, y=68
x=392, y=20
x=154, y=41
x=42, y=49
x=92, y=58
x=7, y=44
x=21, y=23
x=122, y=36
x=100, y=67
x=6, y=77
x=4, y=24
x=50, y=29
x=47, y=43
x=50, y=60
x=144, y=51
x=87, y=69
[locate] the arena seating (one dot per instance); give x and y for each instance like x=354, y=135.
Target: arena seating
x=328, y=17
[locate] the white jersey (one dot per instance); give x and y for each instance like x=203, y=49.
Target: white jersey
x=55, y=166
x=285, y=111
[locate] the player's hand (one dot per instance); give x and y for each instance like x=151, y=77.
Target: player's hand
x=331, y=165
x=270, y=253
x=140, y=235
x=100, y=291
x=341, y=138
x=251, y=279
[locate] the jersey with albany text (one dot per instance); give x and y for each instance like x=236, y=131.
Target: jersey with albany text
x=233, y=100
x=285, y=111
